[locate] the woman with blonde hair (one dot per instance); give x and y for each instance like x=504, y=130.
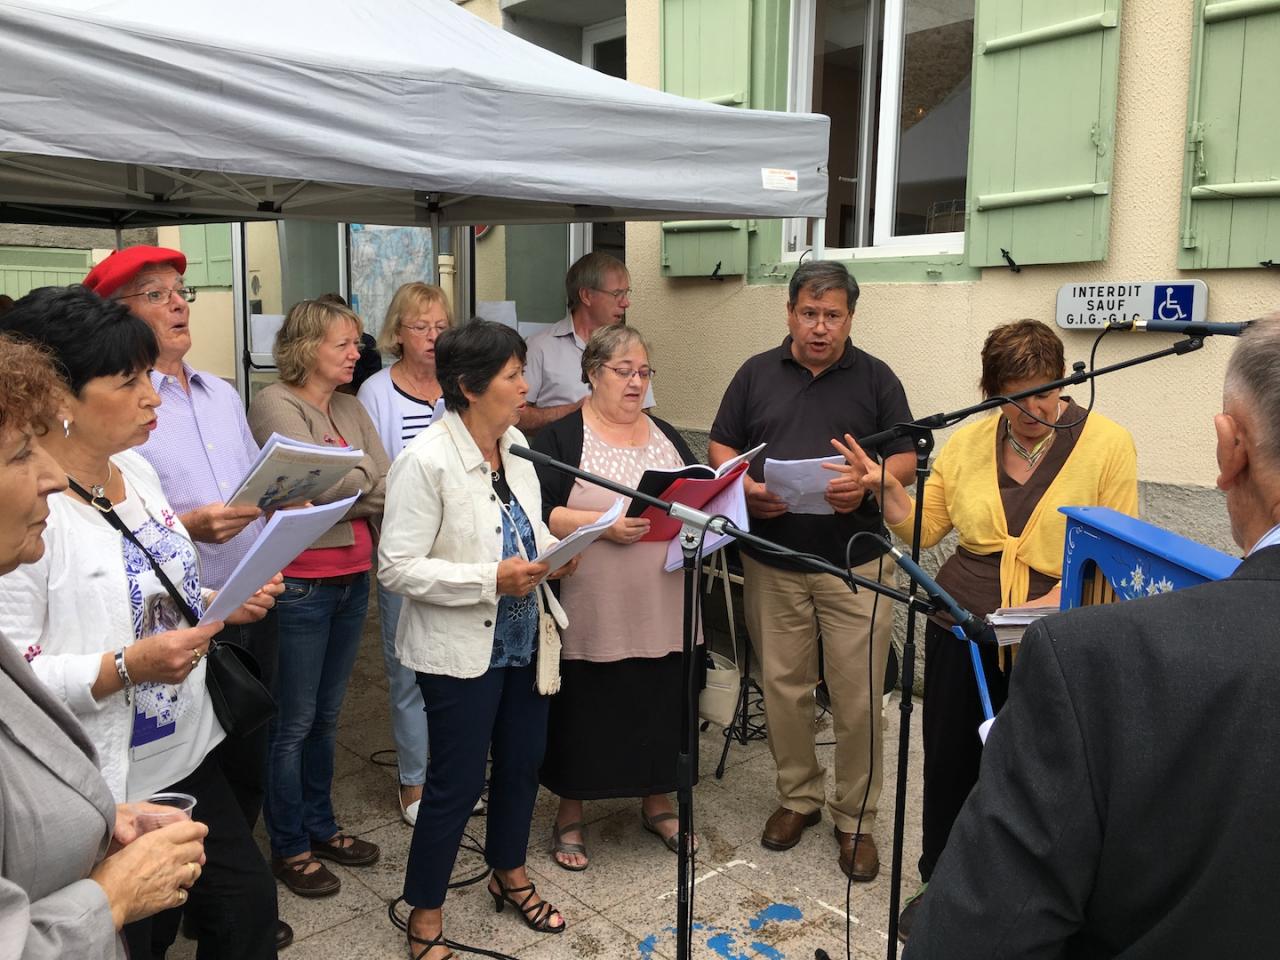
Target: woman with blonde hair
x=400, y=400
x=326, y=595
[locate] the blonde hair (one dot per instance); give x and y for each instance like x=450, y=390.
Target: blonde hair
x=410, y=299
x=301, y=334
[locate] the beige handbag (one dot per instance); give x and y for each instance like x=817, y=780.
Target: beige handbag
x=548, y=681
x=718, y=701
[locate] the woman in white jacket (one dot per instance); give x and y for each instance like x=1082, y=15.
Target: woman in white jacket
x=98, y=627
x=463, y=521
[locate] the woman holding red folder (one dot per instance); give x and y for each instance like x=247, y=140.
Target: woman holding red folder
x=614, y=728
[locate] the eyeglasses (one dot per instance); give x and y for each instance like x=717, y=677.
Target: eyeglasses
x=162, y=296
x=421, y=329
x=811, y=318
x=626, y=373
x=616, y=294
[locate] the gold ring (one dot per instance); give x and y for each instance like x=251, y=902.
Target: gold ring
x=182, y=896
x=195, y=871
x=195, y=658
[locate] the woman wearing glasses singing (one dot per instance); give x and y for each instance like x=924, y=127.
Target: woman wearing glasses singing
x=614, y=728
x=401, y=400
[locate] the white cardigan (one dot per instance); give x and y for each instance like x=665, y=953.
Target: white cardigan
x=442, y=542
x=72, y=605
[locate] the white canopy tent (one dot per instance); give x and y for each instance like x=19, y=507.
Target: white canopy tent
x=126, y=113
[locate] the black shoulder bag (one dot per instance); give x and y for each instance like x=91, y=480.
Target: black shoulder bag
x=241, y=701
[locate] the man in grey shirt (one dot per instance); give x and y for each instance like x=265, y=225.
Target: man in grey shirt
x=598, y=288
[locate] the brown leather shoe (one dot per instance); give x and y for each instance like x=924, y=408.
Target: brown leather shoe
x=865, y=863
x=316, y=883
x=783, y=829
x=348, y=851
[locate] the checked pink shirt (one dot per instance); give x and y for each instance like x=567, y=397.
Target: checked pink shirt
x=202, y=448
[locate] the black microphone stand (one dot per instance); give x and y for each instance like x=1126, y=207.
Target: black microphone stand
x=694, y=525
x=921, y=434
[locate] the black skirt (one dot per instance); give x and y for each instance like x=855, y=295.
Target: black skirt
x=614, y=729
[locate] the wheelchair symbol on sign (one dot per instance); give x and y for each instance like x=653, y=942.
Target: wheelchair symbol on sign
x=1171, y=309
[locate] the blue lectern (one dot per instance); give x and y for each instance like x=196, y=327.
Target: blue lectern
x=1112, y=556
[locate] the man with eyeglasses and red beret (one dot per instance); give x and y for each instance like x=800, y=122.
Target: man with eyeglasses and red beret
x=201, y=448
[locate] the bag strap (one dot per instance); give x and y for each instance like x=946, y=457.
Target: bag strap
x=108, y=511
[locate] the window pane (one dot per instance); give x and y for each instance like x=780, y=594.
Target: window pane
x=839, y=45
x=933, y=146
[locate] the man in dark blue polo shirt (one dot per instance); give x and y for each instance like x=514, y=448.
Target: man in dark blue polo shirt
x=796, y=398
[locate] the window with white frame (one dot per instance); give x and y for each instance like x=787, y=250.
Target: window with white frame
x=894, y=77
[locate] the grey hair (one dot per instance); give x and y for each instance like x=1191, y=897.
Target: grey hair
x=590, y=272
x=1253, y=377
x=818, y=277
x=605, y=344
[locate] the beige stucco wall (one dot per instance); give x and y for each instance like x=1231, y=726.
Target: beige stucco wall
x=931, y=333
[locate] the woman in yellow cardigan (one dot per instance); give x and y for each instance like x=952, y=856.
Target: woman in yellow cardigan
x=998, y=483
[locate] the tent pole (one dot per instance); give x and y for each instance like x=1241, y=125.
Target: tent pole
x=819, y=238
x=435, y=242
x=119, y=239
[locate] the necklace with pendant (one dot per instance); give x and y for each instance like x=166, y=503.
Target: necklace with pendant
x=99, y=490
x=1031, y=456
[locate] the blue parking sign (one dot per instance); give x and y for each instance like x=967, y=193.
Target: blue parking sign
x=1172, y=301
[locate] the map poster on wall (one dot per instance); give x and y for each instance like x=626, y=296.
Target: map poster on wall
x=383, y=258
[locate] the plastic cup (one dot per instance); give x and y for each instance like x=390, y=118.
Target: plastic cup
x=179, y=807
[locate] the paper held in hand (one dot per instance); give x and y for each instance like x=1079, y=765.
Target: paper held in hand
x=292, y=471
x=587, y=534
x=286, y=535
x=802, y=484
x=1011, y=622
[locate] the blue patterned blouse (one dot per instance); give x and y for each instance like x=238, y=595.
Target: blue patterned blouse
x=515, y=632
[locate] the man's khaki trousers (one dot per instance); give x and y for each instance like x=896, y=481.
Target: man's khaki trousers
x=786, y=611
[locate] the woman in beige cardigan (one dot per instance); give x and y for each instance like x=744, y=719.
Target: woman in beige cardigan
x=322, y=609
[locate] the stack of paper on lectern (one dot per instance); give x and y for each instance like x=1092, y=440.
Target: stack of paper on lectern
x=286, y=535
x=1011, y=622
x=587, y=534
x=292, y=471
x=693, y=486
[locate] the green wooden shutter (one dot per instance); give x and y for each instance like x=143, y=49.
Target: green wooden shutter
x=1043, y=130
x=706, y=55
x=217, y=244
x=1231, y=179
x=192, y=241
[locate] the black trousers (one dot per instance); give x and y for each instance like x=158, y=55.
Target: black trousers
x=244, y=759
x=498, y=710
x=952, y=750
x=232, y=907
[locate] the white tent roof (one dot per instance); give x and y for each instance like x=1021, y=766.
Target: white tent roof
x=138, y=112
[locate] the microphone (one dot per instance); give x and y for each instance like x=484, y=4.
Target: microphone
x=1189, y=328
x=975, y=628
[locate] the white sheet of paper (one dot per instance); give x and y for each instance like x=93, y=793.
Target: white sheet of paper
x=580, y=539
x=730, y=502
x=802, y=484
x=286, y=535
x=985, y=728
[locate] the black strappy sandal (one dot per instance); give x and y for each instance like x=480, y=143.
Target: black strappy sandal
x=536, y=916
x=436, y=941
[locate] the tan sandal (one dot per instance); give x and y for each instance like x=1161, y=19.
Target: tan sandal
x=672, y=842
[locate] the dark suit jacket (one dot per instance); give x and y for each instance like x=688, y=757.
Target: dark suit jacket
x=1127, y=804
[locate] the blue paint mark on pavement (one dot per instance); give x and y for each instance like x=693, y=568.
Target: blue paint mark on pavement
x=766, y=951
x=648, y=945
x=775, y=911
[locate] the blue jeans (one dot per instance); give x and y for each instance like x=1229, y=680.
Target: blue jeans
x=320, y=626
x=408, y=715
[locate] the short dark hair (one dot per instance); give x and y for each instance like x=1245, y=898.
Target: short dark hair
x=819, y=277
x=86, y=336
x=471, y=355
x=1021, y=350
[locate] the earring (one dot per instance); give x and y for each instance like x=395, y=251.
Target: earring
x=66, y=428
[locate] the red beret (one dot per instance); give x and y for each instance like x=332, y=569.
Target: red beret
x=123, y=265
